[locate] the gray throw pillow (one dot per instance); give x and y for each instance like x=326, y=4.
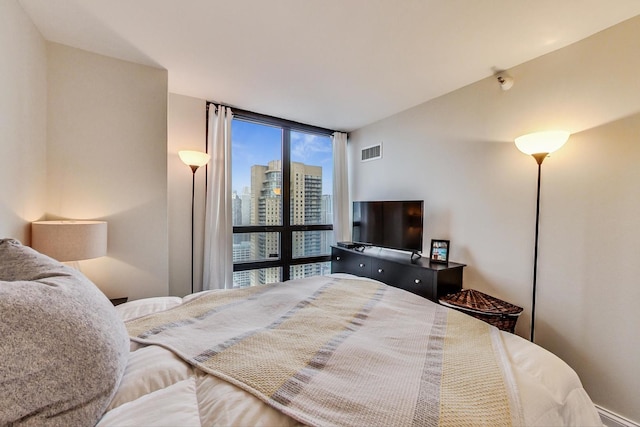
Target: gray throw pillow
x=63, y=346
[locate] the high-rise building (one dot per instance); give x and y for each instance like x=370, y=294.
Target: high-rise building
x=236, y=208
x=327, y=215
x=266, y=209
x=306, y=208
x=241, y=252
x=246, y=206
x=327, y=209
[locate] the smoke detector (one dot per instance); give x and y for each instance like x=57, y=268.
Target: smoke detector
x=506, y=82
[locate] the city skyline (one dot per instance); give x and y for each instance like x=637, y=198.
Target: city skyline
x=256, y=163
x=258, y=144
x=262, y=205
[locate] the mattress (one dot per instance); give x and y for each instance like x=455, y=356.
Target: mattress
x=159, y=388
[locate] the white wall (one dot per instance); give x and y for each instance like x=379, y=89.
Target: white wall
x=457, y=153
x=23, y=109
x=186, y=131
x=107, y=159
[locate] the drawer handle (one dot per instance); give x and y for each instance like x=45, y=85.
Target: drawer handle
x=337, y=258
x=417, y=281
x=361, y=265
x=380, y=270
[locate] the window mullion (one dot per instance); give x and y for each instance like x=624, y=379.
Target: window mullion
x=286, y=236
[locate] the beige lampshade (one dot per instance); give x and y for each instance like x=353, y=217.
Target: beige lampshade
x=542, y=142
x=194, y=158
x=70, y=240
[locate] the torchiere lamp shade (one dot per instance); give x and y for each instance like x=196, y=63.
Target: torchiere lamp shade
x=194, y=159
x=542, y=142
x=70, y=240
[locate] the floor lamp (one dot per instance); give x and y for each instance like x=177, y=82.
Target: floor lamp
x=193, y=159
x=539, y=145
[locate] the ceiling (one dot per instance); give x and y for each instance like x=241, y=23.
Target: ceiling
x=338, y=64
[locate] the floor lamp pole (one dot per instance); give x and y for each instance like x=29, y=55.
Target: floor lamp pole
x=539, y=158
x=193, y=197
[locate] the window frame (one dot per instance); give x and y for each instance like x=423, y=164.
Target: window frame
x=285, y=230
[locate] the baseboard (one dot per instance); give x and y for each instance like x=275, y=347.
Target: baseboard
x=611, y=419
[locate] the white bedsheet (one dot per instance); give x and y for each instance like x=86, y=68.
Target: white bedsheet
x=159, y=389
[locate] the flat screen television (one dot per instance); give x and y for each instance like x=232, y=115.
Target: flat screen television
x=389, y=224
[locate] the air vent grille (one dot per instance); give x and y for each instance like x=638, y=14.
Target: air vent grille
x=372, y=152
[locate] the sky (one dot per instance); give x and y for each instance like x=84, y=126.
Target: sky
x=257, y=144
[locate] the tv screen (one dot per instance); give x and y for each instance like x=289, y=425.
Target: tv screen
x=389, y=224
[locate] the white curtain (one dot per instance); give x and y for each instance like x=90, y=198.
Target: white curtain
x=341, y=207
x=218, y=228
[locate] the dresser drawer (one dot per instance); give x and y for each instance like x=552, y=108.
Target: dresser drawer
x=350, y=262
x=416, y=280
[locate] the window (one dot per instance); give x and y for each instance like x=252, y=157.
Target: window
x=282, y=180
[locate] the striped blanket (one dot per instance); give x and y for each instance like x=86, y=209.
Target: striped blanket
x=348, y=352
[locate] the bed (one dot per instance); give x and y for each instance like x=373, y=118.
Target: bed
x=329, y=350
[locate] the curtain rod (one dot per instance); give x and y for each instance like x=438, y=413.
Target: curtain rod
x=250, y=115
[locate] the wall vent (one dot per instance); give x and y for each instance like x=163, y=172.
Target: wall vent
x=373, y=152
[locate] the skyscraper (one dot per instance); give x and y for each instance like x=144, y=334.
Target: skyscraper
x=266, y=209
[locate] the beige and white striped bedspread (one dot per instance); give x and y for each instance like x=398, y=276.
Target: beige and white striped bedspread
x=337, y=351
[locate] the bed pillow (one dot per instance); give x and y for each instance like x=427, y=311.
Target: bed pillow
x=64, y=347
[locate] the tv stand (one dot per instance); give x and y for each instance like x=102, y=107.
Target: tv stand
x=419, y=276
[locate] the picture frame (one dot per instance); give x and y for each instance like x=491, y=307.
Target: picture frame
x=440, y=251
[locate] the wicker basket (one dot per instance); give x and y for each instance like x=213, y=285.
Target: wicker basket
x=492, y=310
